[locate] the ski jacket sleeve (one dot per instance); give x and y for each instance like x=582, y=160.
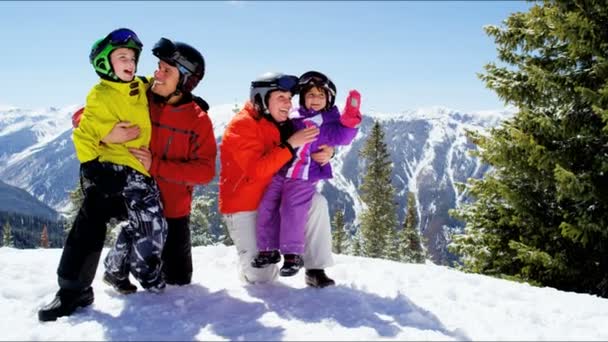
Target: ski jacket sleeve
x=256, y=148
x=96, y=122
x=334, y=131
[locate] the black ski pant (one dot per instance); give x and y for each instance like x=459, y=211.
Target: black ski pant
x=177, y=254
x=102, y=201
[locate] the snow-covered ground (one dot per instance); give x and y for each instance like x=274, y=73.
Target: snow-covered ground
x=373, y=300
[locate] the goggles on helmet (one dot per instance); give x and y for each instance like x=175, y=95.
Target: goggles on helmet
x=285, y=83
x=103, y=48
x=167, y=51
x=118, y=38
x=122, y=36
x=317, y=80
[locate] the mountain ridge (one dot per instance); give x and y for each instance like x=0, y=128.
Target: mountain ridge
x=428, y=147
x=16, y=200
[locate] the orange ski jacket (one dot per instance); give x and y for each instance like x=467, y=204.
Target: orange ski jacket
x=250, y=154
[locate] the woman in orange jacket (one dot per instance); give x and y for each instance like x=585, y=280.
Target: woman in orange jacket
x=255, y=145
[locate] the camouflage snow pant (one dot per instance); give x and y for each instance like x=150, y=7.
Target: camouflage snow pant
x=139, y=244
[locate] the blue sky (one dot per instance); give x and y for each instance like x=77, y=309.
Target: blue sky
x=399, y=55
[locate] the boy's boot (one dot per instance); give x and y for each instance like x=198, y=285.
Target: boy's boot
x=291, y=265
x=123, y=286
x=318, y=278
x=265, y=258
x=65, y=303
x=157, y=287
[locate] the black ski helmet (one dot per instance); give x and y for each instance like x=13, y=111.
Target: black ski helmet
x=262, y=86
x=311, y=79
x=188, y=60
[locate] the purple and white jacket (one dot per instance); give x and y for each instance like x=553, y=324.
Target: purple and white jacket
x=332, y=133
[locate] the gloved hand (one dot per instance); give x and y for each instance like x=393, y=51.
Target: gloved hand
x=351, y=116
x=76, y=117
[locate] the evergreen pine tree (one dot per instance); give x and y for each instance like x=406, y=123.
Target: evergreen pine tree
x=541, y=214
x=215, y=216
x=410, y=243
x=199, y=223
x=44, y=237
x=8, y=235
x=392, y=245
x=355, y=248
x=76, y=198
x=379, y=218
x=338, y=233
x=208, y=216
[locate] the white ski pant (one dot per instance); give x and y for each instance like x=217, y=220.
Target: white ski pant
x=317, y=253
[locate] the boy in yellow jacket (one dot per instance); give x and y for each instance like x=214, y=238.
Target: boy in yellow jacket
x=114, y=183
x=120, y=96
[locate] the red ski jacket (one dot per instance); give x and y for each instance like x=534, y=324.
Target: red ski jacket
x=183, y=153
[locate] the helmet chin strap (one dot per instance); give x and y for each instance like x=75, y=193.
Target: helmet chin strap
x=260, y=108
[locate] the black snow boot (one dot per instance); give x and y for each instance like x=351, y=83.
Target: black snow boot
x=318, y=278
x=156, y=287
x=291, y=265
x=65, y=303
x=265, y=258
x=123, y=286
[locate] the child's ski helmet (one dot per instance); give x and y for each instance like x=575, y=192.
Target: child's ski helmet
x=101, y=50
x=316, y=79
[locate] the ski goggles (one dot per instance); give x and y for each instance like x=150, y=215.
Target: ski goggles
x=316, y=79
x=122, y=37
x=285, y=83
x=166, y=50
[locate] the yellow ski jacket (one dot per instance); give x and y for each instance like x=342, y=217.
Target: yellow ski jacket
x=107, y=104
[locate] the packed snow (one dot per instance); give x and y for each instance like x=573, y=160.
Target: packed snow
x=373, y=300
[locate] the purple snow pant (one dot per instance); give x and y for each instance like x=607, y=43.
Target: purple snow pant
x=283, y=213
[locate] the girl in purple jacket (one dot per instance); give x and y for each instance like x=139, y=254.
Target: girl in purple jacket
x=284, y=207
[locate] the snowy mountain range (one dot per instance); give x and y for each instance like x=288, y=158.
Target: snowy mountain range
x=16, y=200
x=428, y=148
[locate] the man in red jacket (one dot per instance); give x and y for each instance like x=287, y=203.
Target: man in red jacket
x=182, y=154
x=182, y=151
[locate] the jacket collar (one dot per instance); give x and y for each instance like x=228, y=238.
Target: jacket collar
x=127, y=88
x=285, y=128
x=249, y=110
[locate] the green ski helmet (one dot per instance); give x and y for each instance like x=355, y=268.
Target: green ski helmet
x=101, y=50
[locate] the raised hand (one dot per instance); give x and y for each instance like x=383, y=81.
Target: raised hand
x=351, y=115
